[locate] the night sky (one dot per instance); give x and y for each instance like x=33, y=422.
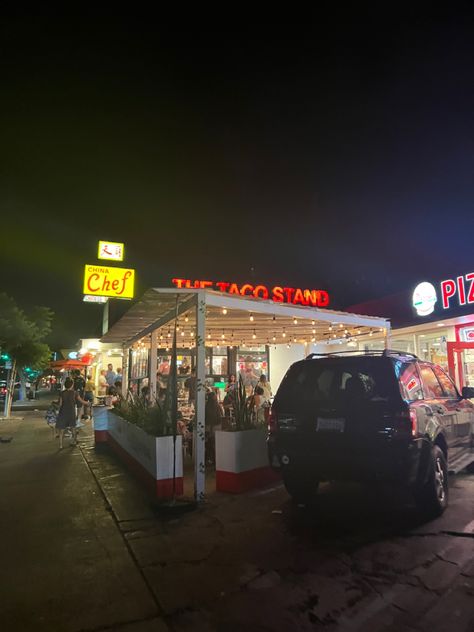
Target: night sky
x=334, y=152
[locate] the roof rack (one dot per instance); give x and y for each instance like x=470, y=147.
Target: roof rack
x=382, y=352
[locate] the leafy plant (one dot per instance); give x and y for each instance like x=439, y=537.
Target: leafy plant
x=242, y=408
x=150, y=418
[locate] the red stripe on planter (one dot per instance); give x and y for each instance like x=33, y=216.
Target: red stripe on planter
x=101, y=436
x=236, y=483
x=161, y=489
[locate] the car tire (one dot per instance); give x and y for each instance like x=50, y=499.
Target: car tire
x=432, y=498
x=302, y=489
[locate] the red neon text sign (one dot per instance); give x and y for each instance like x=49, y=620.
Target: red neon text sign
x=278, y=294
x=462, y=287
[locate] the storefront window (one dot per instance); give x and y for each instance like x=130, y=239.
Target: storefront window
x=251, y=363
x=405, y=344
x=139, y=364
x=219, y=361
x=433, y=348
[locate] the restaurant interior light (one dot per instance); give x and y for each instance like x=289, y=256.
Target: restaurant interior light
x=251, y=317
x=224, y=311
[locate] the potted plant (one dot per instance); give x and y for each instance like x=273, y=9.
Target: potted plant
x=241, y=449
x=142, y=436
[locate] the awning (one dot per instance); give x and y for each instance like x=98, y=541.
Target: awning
x=69, y=364
x=237, y=320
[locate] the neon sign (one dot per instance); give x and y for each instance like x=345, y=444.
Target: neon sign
x=459, y=288
x=453, y=292
x=278, y=294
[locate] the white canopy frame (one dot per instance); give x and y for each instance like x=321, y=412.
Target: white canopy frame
x=207, y=317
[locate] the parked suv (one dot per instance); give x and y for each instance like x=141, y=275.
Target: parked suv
x=358, y=416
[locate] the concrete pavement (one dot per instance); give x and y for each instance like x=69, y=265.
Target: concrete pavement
x=86, y=550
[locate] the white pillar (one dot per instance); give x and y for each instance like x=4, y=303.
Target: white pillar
x=125, y=370
x=200, y=404
x=153, y=363
x=387, y=337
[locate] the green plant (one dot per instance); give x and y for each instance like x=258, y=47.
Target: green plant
x=149, y=417
x=244, y=418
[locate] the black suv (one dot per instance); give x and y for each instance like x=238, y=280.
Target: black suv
x=359, y=416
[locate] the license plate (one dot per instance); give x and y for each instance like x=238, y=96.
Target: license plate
x=331, y=425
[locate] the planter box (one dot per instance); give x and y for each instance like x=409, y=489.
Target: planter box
x=242, y=461
x=150, y=458
x=101, y=424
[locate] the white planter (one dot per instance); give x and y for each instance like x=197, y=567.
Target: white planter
x=242, y=460
x=151, y=458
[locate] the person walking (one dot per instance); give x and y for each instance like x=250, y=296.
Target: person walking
x=79, y=386
x=67, y=411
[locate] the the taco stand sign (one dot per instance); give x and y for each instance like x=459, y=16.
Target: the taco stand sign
x=451, y=293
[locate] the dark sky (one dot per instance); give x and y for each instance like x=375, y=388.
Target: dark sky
x=336, y=152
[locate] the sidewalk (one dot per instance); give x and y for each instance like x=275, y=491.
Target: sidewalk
x=64, y=564
x=82, y=549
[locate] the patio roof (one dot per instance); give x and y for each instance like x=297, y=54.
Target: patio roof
x=236, y=320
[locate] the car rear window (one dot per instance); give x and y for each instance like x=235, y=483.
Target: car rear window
x=336, y=381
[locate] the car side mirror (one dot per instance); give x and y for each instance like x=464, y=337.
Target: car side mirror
x=467, y=392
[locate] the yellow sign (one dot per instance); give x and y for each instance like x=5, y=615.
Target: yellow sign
x=101, y=280
x=111, y=250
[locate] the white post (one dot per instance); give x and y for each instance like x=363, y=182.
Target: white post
x=387, y=336
x=125, y=371
x=200, y=404
x=153, y=363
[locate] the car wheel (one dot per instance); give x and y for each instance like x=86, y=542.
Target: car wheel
x=302, y=489
x=432, y=498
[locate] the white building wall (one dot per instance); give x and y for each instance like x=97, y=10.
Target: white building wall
x=281, y=358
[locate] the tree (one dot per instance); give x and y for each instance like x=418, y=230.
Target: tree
x=22, y=340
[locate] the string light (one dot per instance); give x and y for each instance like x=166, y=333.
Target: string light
x=341, y=326
x=251, y=316
x=274, y=337
x=177, y=326
x=346, y=332
x=371, y=333
x=254, y=335
x=192, y=334
x=294, y=339
x=224, y=311
x=313, y=323
x=314, y=331
x=186, y=318
x=209, y=335
x=330, y=327
x=284, y=333
x=313, y=339
x=295, y=321
x=223, y=335
x=182, y=333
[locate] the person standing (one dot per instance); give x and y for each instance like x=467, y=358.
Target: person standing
x=191, y=385
x=89, y=395
x=110, y=376
x=68, y=399
x=102, y=392
x=264, y=384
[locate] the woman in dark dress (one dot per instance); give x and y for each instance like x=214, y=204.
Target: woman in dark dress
x=67, y=411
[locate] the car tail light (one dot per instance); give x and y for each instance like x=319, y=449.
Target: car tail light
x=414, y=423
x=272, y=422
x=409, y=421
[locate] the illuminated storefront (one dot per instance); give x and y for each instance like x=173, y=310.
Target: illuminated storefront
x=220, y=333
x=435, y=321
